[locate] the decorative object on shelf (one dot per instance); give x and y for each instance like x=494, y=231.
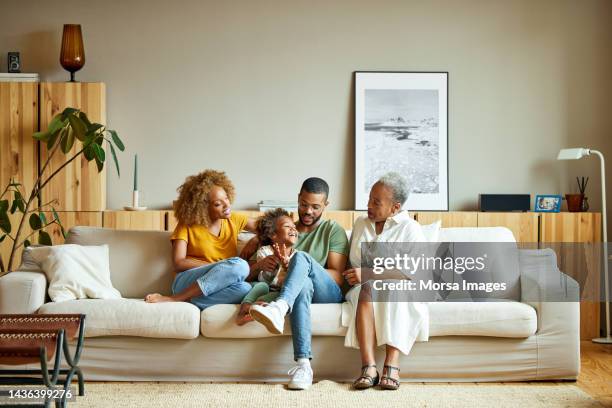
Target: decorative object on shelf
x=265, y=205
x=135, y=196
x=548, y=203
x=574, y=202
x=582, y=184
x=579, y=153
x=578, y=202
x=504, y=202
x=401, y=125
x=65, y=130
x=14, y=63
x=72, y=56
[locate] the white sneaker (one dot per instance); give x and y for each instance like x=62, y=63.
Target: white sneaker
x=272, y=316
x=301, y=377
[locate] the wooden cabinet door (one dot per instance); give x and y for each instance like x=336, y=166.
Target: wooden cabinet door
x=18, y=152
x=79, y=186
x=578, y=227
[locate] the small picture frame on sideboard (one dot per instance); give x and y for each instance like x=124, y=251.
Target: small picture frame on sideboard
x=548, y=203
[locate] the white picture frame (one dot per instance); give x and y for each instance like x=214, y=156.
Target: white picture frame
x=401, y=125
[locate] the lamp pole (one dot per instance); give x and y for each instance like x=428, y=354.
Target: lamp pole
x=607, y=339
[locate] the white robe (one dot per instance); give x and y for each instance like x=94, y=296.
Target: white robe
x=398, y=324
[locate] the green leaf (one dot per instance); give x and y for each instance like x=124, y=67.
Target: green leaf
x=2, y=238
x=89, y=152
x=55, y=214
x=5, y=222
x=85, y=119
x=43, y=217
x=99, y=152
x=35, y=222
x=99, y=140
x=67, y=112
x=99, y=164
x=4, y=205
x=42, y=136
x=56, y=124
x=114, y=154
x=44, y=238
x=20, y=201
x=117, y=141
x=79, y=128
x=93, y=128
x=26, y=243
x=53, y=138
x=63, y=231
x=14, y=207
x=68, y=140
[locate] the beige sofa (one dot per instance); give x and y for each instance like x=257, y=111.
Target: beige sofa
x=128, y=339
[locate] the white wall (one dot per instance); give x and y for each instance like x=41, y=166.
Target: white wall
x=263, y=89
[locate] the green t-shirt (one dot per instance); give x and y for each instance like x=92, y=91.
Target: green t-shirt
x=328, y=237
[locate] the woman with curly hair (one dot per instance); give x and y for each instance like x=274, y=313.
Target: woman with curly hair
x=205, y=244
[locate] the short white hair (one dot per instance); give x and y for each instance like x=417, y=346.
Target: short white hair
x=398, y=186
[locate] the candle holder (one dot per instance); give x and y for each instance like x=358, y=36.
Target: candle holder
x=135, y=195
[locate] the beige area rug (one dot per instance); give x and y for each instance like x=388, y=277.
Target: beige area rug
x=332, y=394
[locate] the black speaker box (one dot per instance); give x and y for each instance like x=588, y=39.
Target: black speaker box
x=505, y=202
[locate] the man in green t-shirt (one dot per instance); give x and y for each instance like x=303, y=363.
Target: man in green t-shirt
x=314, y=276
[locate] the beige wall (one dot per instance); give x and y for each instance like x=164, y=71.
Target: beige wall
x=263, y=89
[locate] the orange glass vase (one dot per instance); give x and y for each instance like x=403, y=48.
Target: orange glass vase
x=72, y=56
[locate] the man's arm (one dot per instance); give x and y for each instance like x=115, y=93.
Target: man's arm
x=336, y=263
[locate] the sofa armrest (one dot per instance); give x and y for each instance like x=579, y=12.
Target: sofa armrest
x=555, y=297
x=22, y=292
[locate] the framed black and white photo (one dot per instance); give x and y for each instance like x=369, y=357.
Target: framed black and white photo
x=401, y=125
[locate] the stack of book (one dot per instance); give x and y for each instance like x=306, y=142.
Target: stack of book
x=266, y=205
x=8, y=77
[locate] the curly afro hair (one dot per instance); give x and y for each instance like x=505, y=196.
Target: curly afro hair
x=266, y=225
x=191, y=207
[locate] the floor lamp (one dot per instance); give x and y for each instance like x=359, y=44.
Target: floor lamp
x=579, y=153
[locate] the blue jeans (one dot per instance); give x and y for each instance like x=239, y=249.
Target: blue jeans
x=221, y=282
x=306, y=282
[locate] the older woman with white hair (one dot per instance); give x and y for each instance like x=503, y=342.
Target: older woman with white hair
x=395, y=324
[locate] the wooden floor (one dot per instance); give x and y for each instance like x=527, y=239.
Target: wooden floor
x=596, y=371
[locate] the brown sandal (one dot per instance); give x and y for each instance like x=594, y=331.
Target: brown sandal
x=390, y=383
x=366, y=381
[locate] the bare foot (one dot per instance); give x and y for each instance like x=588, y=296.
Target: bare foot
x=157, y=298
x=243, y=315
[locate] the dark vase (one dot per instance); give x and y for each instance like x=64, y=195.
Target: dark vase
x=72, y=56
x=574, y=202
x=584, y=206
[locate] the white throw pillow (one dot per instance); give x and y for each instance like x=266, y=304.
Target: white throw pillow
x=432, y=231
x=76, y=271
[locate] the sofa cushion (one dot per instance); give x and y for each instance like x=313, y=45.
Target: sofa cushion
x=132, y=317
x=492, y=319
x=219, y=321
x=140, y=261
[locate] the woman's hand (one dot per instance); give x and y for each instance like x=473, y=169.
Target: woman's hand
x=268, y=264
x=352, y=276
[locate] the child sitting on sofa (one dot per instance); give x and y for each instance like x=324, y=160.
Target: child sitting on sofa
x=277, y=235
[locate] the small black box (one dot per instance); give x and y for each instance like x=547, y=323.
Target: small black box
x=14, y=63
x=505, y=202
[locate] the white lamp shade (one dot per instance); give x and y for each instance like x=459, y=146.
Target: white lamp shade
x=573, y=154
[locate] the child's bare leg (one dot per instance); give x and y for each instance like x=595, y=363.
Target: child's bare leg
x=243, y=315
x=192, y=291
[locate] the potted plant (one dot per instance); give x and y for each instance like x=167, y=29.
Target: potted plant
x=67, y=129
